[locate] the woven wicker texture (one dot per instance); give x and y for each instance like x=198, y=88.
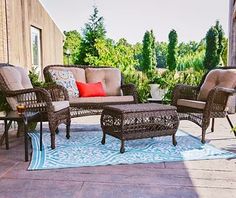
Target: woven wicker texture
x=137, y=121
x=215, y=104
x=85, y=109
x=40, y=100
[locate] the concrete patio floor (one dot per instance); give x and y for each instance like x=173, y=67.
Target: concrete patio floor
x=205, y=178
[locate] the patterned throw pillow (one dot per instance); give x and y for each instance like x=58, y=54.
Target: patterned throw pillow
x=67, y=80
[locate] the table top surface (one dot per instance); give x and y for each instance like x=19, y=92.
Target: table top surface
x=132, y=108
x=14, y=115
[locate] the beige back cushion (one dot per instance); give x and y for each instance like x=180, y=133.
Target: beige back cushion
x=16, y=78
x=110, y=78
x=78, y=73
x=25, y=80
x=217, y=77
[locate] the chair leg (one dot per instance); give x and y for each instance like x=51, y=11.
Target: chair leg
x=103, y=138
x=122, y=147
x=68, y=130
x=203, y=136
x=19, y=129
x=52, y=127
x=212, y=124
x=57, y=130
x=41, y=136
x=230, y=123
x=53, y=145
x=174, y=140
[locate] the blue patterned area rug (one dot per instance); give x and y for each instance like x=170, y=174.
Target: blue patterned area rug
x=84, y=148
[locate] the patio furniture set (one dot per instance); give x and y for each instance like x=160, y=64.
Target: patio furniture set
x=121, y=115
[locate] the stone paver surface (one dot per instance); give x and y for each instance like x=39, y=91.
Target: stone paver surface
x=205, y=178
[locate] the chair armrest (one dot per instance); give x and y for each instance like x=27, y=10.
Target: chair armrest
x=34, y=98
x=226, y=90
x=130, y=89
x=181, y=91
x=57, y=92
x=217, y=99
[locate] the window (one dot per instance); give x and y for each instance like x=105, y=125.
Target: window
x=36, y=49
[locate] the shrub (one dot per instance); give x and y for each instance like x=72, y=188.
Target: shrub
x=35, y=79
x=140, y=80
x=172, y=78
x=189, y=61
x=3, y=103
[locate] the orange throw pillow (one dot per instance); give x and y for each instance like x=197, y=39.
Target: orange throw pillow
x=90, y=89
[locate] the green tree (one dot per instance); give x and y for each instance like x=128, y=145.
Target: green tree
x=220, y=31
x=211, y=59
x=93, y=30
x=225, y=51
x=153, y=45
x=72, y=42
x=161, y=54
x=138, y=49
x=171, y=55
x=191, y=61
x=190, y=55
x=121, y=55
x=187, y=48
x=149, y=52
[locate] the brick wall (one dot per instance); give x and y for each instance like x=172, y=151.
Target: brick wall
x=16, y=18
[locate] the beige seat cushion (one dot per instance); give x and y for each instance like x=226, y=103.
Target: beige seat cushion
x=107, y=99
x=191, y=103
x=59, y=105
x=110, y=78
x=217, y=77
x=78, y=73
x=16, y=78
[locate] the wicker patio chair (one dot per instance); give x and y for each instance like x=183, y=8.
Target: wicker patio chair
x=52, y=102
x=207, y=101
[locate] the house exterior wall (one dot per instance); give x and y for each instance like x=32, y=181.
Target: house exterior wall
x=3, y=40
x=16, y=19
x=232, y=33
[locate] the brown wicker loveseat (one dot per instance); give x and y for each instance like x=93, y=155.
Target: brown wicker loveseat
x=111, y=79
x=207, y=101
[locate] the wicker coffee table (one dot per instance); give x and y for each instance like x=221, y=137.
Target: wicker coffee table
x=137, y=121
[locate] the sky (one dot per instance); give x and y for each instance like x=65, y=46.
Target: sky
x=130, y=19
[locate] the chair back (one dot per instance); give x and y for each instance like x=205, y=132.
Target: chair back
x=110, y=77
x=222, y=68
x=222, y=77
x=13, y=78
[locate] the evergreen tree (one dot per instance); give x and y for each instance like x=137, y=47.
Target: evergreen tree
x=161, y=52
x=171, y=55
x=211, y=59
x=225, y=51
x=146, y=62
x=149, y=52
x=154, y=57
x=93, y=30
x=214, y=46
x=220, y=31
